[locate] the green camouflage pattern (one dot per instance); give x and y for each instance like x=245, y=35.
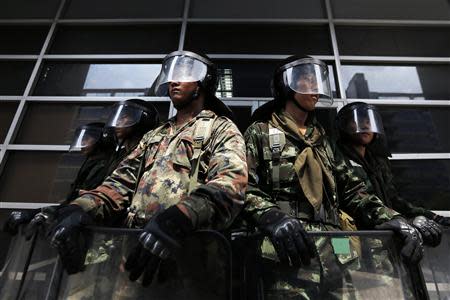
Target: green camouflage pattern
x=384, y=180
x=166, y=175
x=351, y=194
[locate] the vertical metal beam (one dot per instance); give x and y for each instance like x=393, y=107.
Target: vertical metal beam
x=31, y=82
x=187, y=4
x=337, y=58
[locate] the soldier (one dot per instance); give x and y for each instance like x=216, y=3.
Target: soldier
x=298, y=184
x=97, y=148
x=188, y=174
x=361, y=140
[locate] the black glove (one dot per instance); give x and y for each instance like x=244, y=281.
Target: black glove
x=66, y=236
x=17, y=218
x=46, y=215
x=162, y=234
x=430, y=230
x=412, y=250
x=290, y=240
x=441, y=220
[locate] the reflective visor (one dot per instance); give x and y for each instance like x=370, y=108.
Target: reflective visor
x=124, y=115
x=85, y=137
x=309, y=78
x=362, y=119
x=180, y=68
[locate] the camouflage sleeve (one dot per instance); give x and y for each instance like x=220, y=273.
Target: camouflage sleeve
x=111, y=197
x=257, y=202
x=216, y=203
x=398, y=203
x=367, y=209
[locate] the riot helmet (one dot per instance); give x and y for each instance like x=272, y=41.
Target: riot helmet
x=90, y=137
x=134, y=113
x=303, y=75
x=359, y=117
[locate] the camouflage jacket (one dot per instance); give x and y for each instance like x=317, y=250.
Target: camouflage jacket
x=165, y=178
x=376, y=172
x=350, y=194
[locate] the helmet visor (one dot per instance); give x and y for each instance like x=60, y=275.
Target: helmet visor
x=309, y=78
x=85, y=137
x=124, y=115
x=362, y=120
x=179, y=69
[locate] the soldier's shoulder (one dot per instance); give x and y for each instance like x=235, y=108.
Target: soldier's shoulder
x=258, y=128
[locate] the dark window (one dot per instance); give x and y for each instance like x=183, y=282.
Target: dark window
x=249, y=78
x=385, y=9
x=326, y=117
x=55, y=123
x=294, y=9
x=23, y=9
x=412, y=130
x=397, y=82
x=46, y=175
x=14, y=76
x=82, y=9
x=96, y=79
x=22, y=39
x=258, y=39
x=394, y=41
x=7, y=112
x=425, y=183
x=116, y=39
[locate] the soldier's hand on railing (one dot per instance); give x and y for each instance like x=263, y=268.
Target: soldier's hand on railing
x=430, y=230
x=46, y=215
x=67, y=238
x=441, y=220
x=290, y=240
x=16, y=219
x=160, y=236
x=412, y=249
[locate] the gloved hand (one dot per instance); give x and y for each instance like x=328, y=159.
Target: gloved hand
x=160, y=236
x=412, y=249
x=17, y=218
x=430, y=230
x=66, y=236
x=441, y=220
x=45, y=215
x=290, y=240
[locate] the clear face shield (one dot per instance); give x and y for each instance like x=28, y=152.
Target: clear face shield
x=85, y=137
x=179, y=68
x=310, y=77
x=124, y=115
x=362, y=120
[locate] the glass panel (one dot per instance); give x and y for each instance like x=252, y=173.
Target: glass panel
x=22, y=39
x=258, y=39
x=14, y=76
x=7, y=112
x=47, y=176
x=425, y=183
x=5, y=238
x=393, y=41
x=404, y=127
x=83, y=9
x=96, y=79
x=250, y=78
x=385, y=9
x=294, y=9
x=436, y=268
x=55, y=123
x=397, y=82
x=115, y=39
x=23, y=9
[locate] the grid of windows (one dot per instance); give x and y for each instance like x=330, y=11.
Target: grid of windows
x=64, y=62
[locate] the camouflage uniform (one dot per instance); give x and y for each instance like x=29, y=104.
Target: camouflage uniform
x=376, y=172
x=166, y=174
x=348, y=193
